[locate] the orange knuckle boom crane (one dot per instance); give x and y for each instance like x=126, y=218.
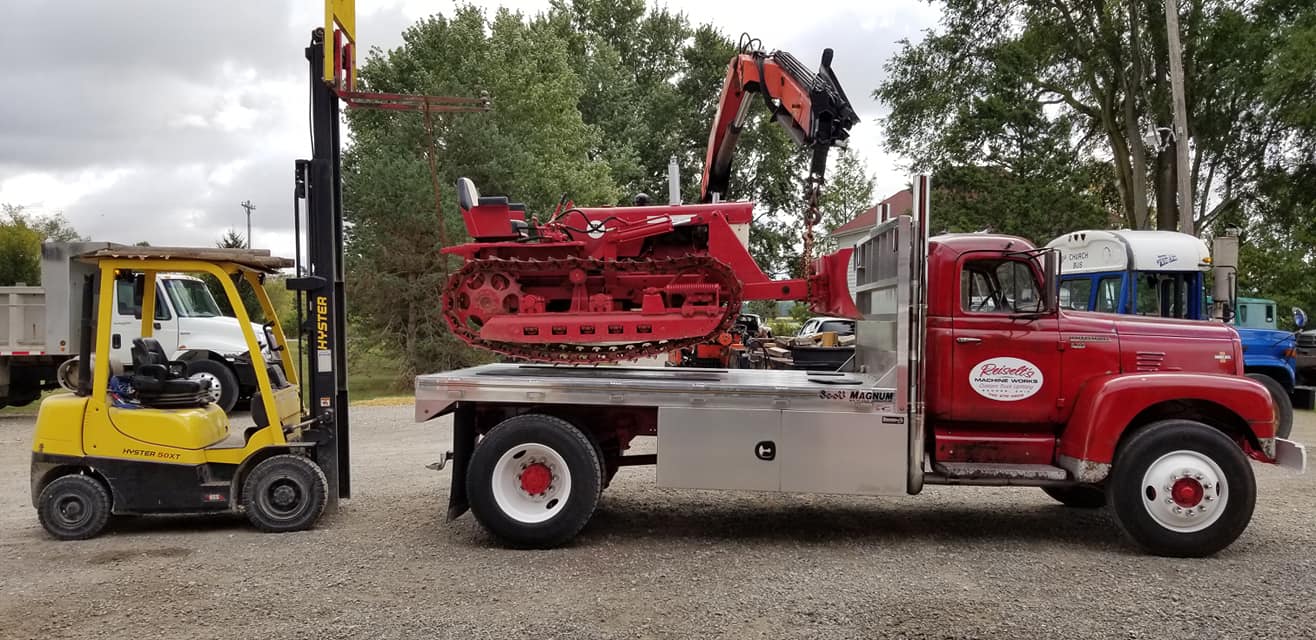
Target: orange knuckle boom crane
x=600, y=284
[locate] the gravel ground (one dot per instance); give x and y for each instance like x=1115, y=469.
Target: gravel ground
x=951, y=563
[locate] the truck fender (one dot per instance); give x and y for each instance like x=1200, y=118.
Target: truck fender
x=1110, y=407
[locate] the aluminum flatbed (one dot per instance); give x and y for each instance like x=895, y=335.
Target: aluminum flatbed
x=655, y=387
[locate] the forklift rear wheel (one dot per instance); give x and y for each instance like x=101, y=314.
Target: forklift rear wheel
x=1181, y=488
x=1078, y=497
x=285, y=493
x=534, y=481
x=224, y=383
x=74, y=507
x=1283, y=404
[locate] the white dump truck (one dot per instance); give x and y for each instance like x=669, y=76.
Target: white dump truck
x=39, y=328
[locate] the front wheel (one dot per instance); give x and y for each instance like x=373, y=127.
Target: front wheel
x=1283, y=404
x=534, y=481
x=285, y=493
x=1181, y=488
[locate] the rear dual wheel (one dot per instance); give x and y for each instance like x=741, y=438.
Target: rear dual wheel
x=534, y=481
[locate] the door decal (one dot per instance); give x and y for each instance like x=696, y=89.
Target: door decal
x=1005, y=379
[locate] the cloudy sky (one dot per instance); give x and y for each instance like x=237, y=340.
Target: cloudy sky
x=152, y=120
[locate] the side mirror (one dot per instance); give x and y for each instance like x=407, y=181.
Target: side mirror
x=1299, y=318
x=1051, y=284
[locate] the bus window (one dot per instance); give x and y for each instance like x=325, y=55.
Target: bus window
x=1108, y=295
x=1075, y=294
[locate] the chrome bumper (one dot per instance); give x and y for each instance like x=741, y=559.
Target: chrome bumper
x=1290, y=455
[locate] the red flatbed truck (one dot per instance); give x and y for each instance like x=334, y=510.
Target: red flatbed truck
x=966, y=372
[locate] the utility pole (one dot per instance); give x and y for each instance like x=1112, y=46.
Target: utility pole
x=246, y=204
x=1182, y=170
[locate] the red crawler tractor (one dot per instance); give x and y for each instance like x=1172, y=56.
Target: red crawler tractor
x=615, y=283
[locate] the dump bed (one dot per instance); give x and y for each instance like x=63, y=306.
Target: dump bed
x=22, y=321
x=45, y=320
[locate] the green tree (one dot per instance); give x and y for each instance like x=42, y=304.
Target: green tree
x=532, y=147
x=848, y=193
x=21, y=235
x=591, y=98
x=1036, y=85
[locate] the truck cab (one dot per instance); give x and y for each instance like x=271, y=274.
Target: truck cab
x=1162, y=274
x=185, y=312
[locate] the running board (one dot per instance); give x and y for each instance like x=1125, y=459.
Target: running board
x=997, y=474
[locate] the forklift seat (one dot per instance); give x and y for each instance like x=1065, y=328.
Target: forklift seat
x=160, y=382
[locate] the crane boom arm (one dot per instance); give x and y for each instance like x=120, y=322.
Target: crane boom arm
x=812, y=108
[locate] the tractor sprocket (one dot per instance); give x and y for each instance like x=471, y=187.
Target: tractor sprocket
x=487, y=287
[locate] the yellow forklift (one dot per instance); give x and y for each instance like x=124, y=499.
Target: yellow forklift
x=151, y=441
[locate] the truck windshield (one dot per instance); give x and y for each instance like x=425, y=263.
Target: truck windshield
x=191, y=298
x=1164, y=294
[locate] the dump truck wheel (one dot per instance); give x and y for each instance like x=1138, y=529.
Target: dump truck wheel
x=285, y=493
x=1181, y=488
x=220, y=377
x=534, y=481
x=1283, y=404
x=1078, y=497
x=74, y=507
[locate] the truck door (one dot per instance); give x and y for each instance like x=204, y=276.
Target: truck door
x=1005, y=362
x=127, y=325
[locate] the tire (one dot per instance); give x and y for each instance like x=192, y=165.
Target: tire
x=1078, y=497
x=285, y=493
x=1283, y=403
x=548, y=510
x=74, y=507
x=1171, y=468
x=22, y=400
x=217, y=373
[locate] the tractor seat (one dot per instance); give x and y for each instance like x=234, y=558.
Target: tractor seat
x=468, y=197
x=161, y=382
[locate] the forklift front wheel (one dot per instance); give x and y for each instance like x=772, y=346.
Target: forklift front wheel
x=285, y=493
x=74, y=507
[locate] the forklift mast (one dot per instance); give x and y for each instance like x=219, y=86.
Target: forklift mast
x=320, y=279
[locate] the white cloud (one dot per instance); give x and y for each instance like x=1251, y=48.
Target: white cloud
x=157, y=129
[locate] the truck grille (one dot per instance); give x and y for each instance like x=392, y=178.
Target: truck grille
x=1307, y=340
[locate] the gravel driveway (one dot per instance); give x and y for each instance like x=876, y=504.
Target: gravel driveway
x=952, y=563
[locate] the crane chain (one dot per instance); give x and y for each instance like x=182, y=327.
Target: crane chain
x=717, y=272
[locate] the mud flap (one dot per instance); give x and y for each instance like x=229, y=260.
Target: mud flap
x=829, y=288
x=463, y=443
